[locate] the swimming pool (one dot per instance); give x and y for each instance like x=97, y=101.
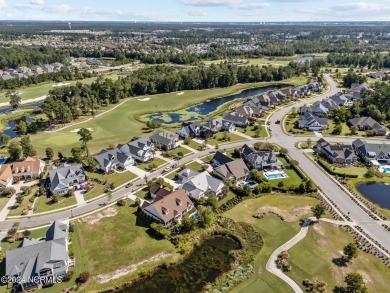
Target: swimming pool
x=196, y=215
x=275, y=175
x=386, y=170
x=3, y=160
x=251, y=184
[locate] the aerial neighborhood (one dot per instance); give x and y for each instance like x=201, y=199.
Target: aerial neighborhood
x=194, y=156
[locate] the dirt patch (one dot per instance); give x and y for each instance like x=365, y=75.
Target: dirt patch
x=93, y=219
x=61, y=84
x=289, y=216
x=181, y=93
x=366, y=278
x=104, y=278
x=144, y=99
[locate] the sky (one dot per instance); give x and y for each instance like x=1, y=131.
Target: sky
x=196, y=10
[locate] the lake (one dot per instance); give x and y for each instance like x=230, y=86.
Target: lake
x=376, y=192
x=192, y=113
x=204, y=265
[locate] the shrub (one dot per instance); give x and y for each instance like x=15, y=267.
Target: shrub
x=121, y=202
x=83, y=277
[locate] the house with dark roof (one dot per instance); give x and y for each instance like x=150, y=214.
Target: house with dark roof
x=312, y=122
x=220, y=159
x=259, y=159
x=165, y=139
x=342, y=154
x=235, y=170
x=167, y=209
x=376, y=153
x=367, y=123
x=201, y=185
x=236, y=119
x=378, y=75
x=64, y=176
x=111, y=160
x=36, y=262
x=248, y=111
x=157, y=191
x=356, y=87
x=140, y=149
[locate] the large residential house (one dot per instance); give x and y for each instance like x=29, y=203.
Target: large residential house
x=169, y=208
x=376, y=153
x=64, y=176
x=236, y=170
x=140, y=149
x=220, y=159
x=312, y=122
x=343, y=154
x=206, y=129
x=259, y=159
x=111, y=160
x=158, y=191
x=201, y=185
x=165, y=139
x=37, y=262
x=248, y=111
x=378, y=75
x=27, y=168
x=367, y=123
x=356, y=87
x=236, y=119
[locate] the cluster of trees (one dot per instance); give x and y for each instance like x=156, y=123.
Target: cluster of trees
x=375, y=104
x=21, y=148
x=16, y=56
x=63, y=75
x=352, y=77
x=371, y=60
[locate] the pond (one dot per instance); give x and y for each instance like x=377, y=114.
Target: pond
x=204, y=109
x=307, y=58
x=202, y=266
x=376, y=192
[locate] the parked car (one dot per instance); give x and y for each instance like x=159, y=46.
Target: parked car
x=128, y=185
x=166, y=169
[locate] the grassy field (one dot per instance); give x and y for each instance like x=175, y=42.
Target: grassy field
x=193, y=144
x=106, y=130
x=157, y=162
x=218, y=138
x=95, y=192
x=229, y=196
x=293, y=177
x=3, y=202
x=42, y=204
x=184, y=150
x=129, y=239
x=194, y=166
x=250, y=130
x=312, y=259
x=274, y=232
x=118, y=178
x=36, y=91
x=346, y=131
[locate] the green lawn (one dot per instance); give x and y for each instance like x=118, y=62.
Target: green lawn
x=143, y=193
x=38, y=233
x=293, y=177
x=217, y=139
x=42, y=204
x=36, y=91
x=312, y=258
x=121, y=124
x=345, y=130
x=184, y=150
x=229, y=196
x=129, y=240
x=193, y=144
x=157, y=161
x=17, y=209
x=118, y=178
x=97, y=190
x=250, y=130
x=274, y=232
x=194, y=166
x=289, y=125
x=3, y=202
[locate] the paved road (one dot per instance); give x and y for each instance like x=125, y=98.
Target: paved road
x=329, y=187
x=271, y=264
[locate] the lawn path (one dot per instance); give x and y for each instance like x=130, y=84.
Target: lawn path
x=271, y=264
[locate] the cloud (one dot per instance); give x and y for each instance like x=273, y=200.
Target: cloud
x=358, y=6
x=233, y=4
x=58, y=8
x=2, y=4
x=37, y=2
x=196, y=12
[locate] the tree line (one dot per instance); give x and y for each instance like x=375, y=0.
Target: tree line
x=371, y=60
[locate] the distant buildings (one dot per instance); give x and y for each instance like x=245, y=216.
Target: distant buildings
x=25, y=72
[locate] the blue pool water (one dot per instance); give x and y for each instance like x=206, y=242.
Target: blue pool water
x=274, y=176
x=386, y=170
x=196, y=216
x=251, y=184
x=2, y=161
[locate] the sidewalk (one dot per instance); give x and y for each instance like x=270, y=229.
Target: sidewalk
x=243, y=135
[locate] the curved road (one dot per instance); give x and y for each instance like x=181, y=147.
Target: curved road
x=329, y=187
x=271, y=263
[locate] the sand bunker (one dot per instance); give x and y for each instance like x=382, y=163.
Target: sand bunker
x=77, y=130
x=61, y=84
x=181, y=93
x=144, y=99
